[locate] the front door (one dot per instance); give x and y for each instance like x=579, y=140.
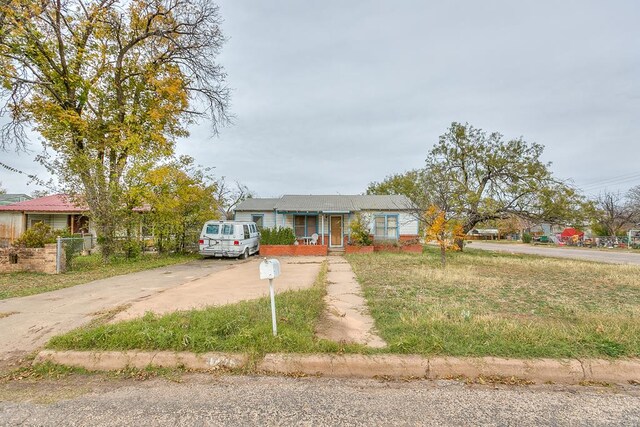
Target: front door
x=336, y=231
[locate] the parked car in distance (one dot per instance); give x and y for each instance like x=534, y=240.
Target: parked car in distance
x=229, y=239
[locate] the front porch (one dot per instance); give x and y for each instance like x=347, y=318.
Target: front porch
x=331, y=228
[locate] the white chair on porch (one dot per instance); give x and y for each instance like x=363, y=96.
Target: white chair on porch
x=314, y=239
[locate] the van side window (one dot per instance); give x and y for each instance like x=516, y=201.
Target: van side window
x=252, y=227
x=246, y=231
x=213, y=229
x=227, y=229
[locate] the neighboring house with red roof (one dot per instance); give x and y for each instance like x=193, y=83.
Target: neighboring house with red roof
x=56, y=210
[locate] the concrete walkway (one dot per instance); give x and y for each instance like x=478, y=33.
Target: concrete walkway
x=346, y=318
x=599, y=255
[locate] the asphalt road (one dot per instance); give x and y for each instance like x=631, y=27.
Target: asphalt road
x=254, y=400
x=612, y=257
x=36, y=318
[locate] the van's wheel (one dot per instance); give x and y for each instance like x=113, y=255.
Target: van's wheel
x=245, y=254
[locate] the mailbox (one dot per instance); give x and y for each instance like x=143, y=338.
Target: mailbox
x=269, y=269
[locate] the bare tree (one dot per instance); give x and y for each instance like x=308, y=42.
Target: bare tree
x=230, y=195
x=633, y=200
x=614, y=212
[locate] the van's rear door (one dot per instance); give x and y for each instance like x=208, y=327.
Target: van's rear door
x=227, y=232
x=212, y=236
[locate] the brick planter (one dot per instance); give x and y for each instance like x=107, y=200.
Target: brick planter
x=293, y=250
x=353, y=249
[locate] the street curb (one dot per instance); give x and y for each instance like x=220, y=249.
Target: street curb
x=566, y=371
x=116, y=360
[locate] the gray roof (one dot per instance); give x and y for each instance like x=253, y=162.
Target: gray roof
x=255, y=204
x=327, y=203
x=7, y=199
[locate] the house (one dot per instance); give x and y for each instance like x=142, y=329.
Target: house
x=390, y=217
x=484, y=234
x=7, y=199
x=56, y=210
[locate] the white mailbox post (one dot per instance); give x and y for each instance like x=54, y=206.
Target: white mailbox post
x=270, y=269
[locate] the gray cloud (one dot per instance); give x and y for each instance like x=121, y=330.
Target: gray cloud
x=330, y=96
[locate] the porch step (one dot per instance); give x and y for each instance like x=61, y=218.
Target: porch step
x=336, y=252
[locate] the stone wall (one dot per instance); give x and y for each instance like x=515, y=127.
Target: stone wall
x=39, y=260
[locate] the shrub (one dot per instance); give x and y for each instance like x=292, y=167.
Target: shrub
x=360, y=233
x=38, y=235
x=277, y=236
x=132, y=249
x=526, y=238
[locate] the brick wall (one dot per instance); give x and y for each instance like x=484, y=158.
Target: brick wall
x=39, y=260
x=293, y=250
x=358, y=249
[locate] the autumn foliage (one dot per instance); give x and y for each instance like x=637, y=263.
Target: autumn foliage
x=445, y=231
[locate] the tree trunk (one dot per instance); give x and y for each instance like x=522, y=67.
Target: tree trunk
x=106, y=237
x=443, y=254
x=460, y=244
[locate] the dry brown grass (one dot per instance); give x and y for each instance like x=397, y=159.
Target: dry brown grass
x=504, y=305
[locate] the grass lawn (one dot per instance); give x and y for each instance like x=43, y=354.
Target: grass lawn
x=490, y=304
x=85, y=269
x=242, y=327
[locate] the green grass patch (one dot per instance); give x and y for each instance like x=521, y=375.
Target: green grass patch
x=85, y=269
x=242, y=327
x=491, y=304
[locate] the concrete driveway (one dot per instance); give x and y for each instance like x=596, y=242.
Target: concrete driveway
x=27, y=323
x=612, y=257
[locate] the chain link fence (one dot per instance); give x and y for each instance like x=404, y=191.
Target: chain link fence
x=69, y=248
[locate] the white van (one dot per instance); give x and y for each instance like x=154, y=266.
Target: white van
x=229, y=239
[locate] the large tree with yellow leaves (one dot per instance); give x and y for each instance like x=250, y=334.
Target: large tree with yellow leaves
x=108, y=84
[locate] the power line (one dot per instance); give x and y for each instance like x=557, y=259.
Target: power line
x=32, y=177
x=605, y=183
x=591, y=182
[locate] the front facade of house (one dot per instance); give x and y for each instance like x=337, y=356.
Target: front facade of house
x=56, y=211
x=390, y=217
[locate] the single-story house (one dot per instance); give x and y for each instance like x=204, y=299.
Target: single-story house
x=8, y=199
x=390, y=217
x=56, y=210
x=484, y=234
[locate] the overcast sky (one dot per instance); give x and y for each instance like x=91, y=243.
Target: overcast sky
x=329, y=96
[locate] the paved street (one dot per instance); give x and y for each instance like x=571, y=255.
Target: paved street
x=252, y=400
x=617, y=257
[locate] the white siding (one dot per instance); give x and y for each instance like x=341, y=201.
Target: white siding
x=268, y=220
x=408, y=224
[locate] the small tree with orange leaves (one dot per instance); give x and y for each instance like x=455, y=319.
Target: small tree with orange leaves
x=446, y=231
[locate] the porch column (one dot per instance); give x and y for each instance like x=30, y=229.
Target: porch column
x=322, y=228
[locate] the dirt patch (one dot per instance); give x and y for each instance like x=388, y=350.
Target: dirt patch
x=7, y=314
